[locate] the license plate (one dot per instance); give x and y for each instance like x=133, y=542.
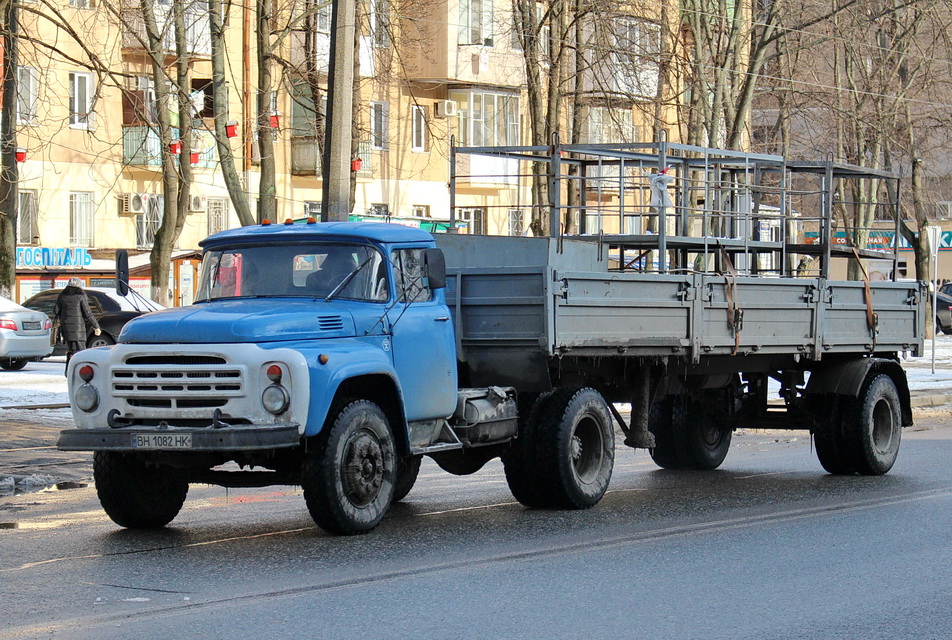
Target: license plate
x=162, y=441
x=31, y=326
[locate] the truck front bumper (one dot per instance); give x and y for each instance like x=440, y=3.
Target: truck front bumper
x=175, y=438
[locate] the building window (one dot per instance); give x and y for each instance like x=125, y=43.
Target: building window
x=475, y=220
x=636, y=37
x=81, y=4
x=379, y=124
x=476, y=22
x=487, y=119
x=610, y=125
x=380, y=22
x=28, y=227
x=420, y=211
x=324, y=16
x=313, y=209
x=81, y=218
x=380, y=209
x=517, y=225
x=419, y=139
x=944, y=210
x=217, y=215
x=27, y=90
x=147, y=224
x=80, y=100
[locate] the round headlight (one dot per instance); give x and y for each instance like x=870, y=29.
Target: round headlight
x=275, y=399
x=86, y=398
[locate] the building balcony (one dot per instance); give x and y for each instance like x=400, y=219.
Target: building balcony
x=306, y=158
x=197, y=34
x=141, y=147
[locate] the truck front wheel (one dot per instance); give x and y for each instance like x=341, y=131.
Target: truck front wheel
x=135, y=495
x=407, y=471
x=350, y=476
x=576, y=448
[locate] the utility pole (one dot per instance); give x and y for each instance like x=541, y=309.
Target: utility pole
x=9, y=176
x=335, y=163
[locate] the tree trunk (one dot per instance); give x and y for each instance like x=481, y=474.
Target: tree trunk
x=267, y=190
x=9, y=200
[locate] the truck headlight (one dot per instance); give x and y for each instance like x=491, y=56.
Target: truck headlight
x=86, y=398
x=275, y=399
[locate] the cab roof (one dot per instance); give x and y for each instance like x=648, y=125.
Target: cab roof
x=375, y=231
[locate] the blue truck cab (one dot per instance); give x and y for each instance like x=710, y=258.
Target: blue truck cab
x=323, y=353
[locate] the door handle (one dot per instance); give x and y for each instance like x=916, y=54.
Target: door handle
x=442, y=319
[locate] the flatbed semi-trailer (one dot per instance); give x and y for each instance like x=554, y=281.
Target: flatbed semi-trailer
x=335, y=356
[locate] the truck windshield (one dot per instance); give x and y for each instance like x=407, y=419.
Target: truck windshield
x=311, y=270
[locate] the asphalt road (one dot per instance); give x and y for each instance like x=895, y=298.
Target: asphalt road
x=769, y=546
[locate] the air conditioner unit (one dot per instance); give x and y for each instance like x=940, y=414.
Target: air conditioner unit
x=446, y=108
x=198, y=204
x=134, y=202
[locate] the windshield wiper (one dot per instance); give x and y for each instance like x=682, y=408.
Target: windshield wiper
x=346, y=281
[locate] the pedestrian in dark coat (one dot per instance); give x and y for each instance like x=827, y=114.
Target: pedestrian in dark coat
x=72, y=311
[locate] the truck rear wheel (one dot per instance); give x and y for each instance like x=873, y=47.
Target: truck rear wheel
x=520, y=461
x=874, y=430
x=349, y=477
x=575, y=440
x=407, y=471
x=135, y=495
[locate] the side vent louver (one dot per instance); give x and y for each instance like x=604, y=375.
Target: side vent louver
x=330, y=323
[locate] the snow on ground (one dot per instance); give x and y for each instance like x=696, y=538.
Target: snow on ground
x=38, y=383
x=44, y=382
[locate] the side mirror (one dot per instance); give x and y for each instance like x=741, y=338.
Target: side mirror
x=122, y=272
x=435, y=263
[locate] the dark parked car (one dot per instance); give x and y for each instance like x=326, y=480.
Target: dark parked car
x=112, y=311
x=943, y=312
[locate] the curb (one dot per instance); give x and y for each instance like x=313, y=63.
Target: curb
x=933, y=400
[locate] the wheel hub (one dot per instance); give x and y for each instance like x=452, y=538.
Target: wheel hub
x=362, y=468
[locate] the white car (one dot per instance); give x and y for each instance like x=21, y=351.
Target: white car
x=24, y=335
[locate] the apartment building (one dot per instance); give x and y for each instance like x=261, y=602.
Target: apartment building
x=440, y=70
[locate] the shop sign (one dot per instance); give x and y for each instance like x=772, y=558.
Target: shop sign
x=881, y=240
x=53, y=257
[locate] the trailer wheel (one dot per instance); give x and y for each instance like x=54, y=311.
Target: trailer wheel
x=874, y=430
x=135, y=495
x=408, y=468
x=576, y=448
x=664, y=453
x=702, y=443
x=349, y=477
x=828, y=439
x=520, y=461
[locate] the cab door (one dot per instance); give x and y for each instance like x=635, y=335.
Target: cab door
x=424, y=349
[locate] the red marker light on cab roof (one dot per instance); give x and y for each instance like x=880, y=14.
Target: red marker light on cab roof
x=288, y=221
x=86, y=373
x=274, y=373
x=311, y=220
x=265, y=222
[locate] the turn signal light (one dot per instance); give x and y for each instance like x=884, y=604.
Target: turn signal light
x=86, y=373
x=274, y=373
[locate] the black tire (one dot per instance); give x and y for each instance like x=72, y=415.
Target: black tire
x=12, y=364
x=136, y=495
x=575, y=439
x=521, y=461
x=102, y=340
x=350, y=473
x=701, y=443
x=828, y=439
x=408, y=469
x=664, y=453
x=874, y=430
